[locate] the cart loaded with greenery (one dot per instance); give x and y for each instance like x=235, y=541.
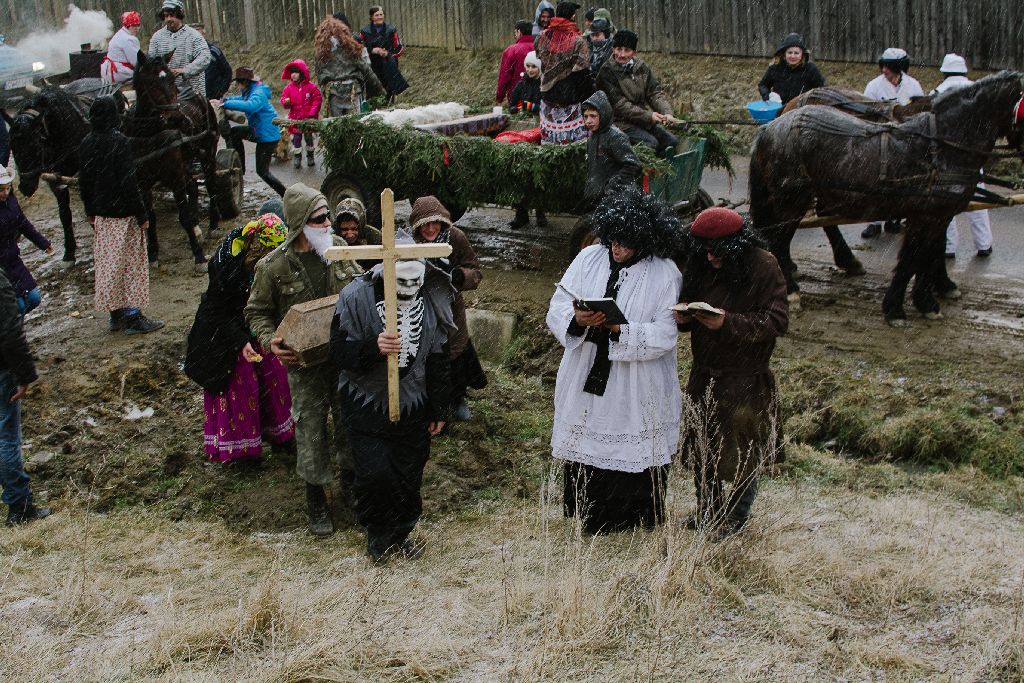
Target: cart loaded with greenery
x=364, y=155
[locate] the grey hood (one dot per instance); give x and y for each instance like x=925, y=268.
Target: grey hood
x=599, y=101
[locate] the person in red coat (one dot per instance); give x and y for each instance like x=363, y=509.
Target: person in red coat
x=301, y=99
x=511, y=71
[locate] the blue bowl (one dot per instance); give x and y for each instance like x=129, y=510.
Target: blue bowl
x=764, y=112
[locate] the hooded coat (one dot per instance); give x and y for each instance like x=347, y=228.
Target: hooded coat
x=255, y=103
x=634, y=93
x=367, y=235
x=106, y=177
x=788, y=81
x=281, y=280
x=611, y=164
x=219, y=73
x=541, y=6
x=463, y=265
x=302, y=100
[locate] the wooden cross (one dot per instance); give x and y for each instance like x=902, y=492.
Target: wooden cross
x=389, y=253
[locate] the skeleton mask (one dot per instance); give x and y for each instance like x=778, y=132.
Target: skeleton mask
x=410, y=278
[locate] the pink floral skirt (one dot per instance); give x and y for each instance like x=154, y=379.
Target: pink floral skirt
x=257, y=405
x=121, y=264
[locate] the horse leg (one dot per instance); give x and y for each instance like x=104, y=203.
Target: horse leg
x=906, y=268
x=930, y=253
x=841, y=252
x=67, y=222
x=189, y=220
x=944, y=286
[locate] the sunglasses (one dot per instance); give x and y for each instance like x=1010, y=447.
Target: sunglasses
x=320, y=218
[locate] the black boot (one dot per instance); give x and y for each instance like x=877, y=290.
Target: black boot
x=893, y=227
x=116, y=323
x=320, y=523
x=522, y=218
x=542, y=219
x=708, y=513
x=310, y=161
x=140, y=324
x=25, y=511
x=740, y=501
x=873, y=230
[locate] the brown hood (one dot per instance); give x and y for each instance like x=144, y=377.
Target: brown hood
x=428, y=210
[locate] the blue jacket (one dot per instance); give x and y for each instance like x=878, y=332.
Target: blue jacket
x=254, y=102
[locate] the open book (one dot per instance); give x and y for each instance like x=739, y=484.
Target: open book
x=613, y=316
x=698, y=308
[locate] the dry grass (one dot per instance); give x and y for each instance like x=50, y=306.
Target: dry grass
x=823, y=584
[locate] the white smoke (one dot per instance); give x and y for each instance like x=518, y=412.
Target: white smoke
x=81, y=26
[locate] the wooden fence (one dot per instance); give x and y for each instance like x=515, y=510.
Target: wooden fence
x=989, y=33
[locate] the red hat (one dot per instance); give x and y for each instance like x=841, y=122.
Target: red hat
x=716, y=223
x=129, y=19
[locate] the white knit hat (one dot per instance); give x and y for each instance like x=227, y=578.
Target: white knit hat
x=532, y=58
x=953, y=64
x=6, y=177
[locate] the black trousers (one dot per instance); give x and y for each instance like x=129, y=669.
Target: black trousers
x=264, y=153
x=658, y=137
x=610, y=501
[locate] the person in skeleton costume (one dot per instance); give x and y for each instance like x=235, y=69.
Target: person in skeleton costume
x=617, y=395
x=389, y=457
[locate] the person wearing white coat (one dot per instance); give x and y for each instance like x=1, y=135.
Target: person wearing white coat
x=954, y=68
x=617, y=396
x=122, y=50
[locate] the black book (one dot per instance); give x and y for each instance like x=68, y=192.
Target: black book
x=606, y=305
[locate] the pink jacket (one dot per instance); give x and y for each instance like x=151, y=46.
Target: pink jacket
x=302, y=100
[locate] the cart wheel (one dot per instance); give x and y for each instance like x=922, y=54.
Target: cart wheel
x=338, y=186
x=581, y=237
x=701, y=200
x=231, y=185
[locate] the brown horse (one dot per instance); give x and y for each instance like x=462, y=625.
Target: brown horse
x=170, y=136
x=856, y=104
x=925, y=169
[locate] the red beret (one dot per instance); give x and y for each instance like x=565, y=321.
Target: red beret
x=716, y=223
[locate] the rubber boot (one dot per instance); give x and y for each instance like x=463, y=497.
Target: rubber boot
x=297, y=158
x=310, y=161
x=319, y=512
x=740, y=501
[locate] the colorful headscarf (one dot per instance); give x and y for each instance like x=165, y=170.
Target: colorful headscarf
x=268, y=230
x=129, y=19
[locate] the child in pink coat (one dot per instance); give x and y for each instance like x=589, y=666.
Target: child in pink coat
x=301, y=99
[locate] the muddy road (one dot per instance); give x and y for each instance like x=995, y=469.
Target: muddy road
x=87, y=434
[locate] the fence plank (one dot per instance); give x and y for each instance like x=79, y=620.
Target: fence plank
x=990, y=37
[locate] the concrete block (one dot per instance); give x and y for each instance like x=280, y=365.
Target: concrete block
x=491, y=331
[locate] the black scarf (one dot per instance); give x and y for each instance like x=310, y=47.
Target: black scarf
x=597, y=379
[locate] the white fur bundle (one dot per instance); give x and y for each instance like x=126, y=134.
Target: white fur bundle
x=431, y=113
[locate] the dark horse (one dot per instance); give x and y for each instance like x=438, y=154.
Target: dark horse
x=45, y=135
x=856, y=104
x=925, y=170
x=168, y=136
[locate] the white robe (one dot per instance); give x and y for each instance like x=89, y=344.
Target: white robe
x=881, y=89
x=635, y=424
x=122, y=50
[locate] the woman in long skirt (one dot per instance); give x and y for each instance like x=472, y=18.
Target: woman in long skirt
x=110, y=193
x=246, y=398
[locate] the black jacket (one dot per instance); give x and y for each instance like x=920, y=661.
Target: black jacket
x=611, y=164
x=386, y=68
x=526, y=95
x=218, y=74
x=790, y=83
x=106, y=179
x=219, y=331
x=14, y=354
